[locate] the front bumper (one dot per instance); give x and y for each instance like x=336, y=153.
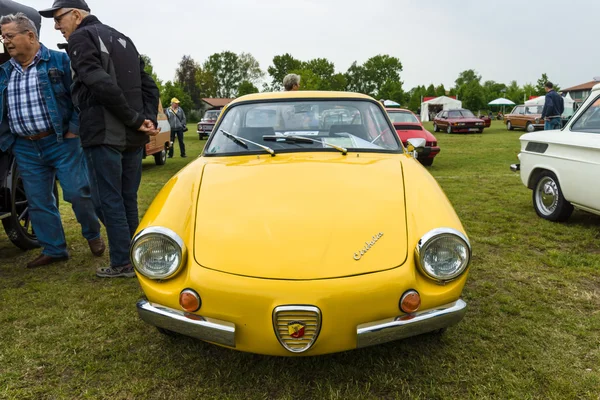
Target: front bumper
x=209, y=329
x=429, y=152
x=368, y=334
x=390, y=329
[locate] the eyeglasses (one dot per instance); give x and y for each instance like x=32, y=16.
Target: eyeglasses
x=59, y=17
x=10, y=36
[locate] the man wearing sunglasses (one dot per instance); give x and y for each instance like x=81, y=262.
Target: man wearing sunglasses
x=40, y=126
x=118, y=105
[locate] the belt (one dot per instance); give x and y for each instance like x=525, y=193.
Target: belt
x=38, y=136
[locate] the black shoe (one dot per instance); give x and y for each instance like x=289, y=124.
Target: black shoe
x=170, y=156
x=184, y=156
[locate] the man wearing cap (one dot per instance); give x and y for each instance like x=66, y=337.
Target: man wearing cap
x=178, y=126
x=118, y=106
x=40, y=126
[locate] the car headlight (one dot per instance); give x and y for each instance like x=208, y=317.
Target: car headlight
x=443, y=254
x=157, y=253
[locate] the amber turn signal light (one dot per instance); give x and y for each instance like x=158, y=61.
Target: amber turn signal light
x=189, y=300
x=410, y=301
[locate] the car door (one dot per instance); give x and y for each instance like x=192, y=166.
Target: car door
x=443, y=120
x=580, y=164
x=519, y=117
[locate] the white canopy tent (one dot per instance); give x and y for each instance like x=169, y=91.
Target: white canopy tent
x=568, y=102
x=446, y=103
x=501, y=102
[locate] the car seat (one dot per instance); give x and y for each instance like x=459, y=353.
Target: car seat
x=356, y=130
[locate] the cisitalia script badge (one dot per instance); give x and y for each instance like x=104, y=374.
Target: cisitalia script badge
x=358, y=255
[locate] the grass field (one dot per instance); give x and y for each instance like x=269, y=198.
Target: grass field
x=532, y=329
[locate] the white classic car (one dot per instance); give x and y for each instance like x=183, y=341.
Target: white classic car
x=562, y=167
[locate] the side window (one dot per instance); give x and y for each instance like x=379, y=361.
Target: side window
x=589, y=120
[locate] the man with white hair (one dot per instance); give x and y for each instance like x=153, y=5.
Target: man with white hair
x=118, y=105
x=291, y=82
x=39, y=124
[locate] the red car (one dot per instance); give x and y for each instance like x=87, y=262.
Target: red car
x=408, y=126
x=207, y=123
x=459, y=120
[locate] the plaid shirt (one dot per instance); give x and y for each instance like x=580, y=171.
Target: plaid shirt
x=27, y=111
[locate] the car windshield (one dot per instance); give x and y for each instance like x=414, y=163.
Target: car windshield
x=533, y=109
x=589, y=120
x=399, y=116
x=351, y=124
x=211, y=115
x=460, y=114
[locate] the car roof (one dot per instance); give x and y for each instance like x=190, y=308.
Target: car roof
x=301, y=94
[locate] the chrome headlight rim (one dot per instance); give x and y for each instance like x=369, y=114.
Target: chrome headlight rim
x=169, y=235
x=427, y=239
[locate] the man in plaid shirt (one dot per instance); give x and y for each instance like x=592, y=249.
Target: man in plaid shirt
x=40, y=126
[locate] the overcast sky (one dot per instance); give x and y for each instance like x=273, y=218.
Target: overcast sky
x=434, y=39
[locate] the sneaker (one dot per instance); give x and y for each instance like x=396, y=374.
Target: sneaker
x=125, y=271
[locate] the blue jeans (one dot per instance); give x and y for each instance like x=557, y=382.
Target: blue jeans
x=179, y=134
x=552, y=123
x=39, y=162
x=115, y=176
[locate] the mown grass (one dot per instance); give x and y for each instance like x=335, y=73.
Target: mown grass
x=532, y=329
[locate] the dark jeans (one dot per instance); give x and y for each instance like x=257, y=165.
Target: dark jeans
x=552, y=123
x=39, y=162
x=115, y=176
x=179, y=134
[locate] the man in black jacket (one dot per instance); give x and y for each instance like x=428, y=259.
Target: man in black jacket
x=553, y=108
x=118, y=104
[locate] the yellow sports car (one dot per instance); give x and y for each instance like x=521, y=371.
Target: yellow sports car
x=304, y=228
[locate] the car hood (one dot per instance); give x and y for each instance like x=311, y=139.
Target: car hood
x=302, y=216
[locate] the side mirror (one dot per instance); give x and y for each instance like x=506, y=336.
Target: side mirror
x=416, y=146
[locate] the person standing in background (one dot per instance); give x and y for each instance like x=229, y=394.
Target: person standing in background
x=178, y=126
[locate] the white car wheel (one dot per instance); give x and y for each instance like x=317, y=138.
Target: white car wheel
x=548, y=200
x=509, y=126
x=530, y=127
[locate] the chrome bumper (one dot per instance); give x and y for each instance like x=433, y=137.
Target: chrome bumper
x=515, y=167
x=209, y=329
x=408, y=325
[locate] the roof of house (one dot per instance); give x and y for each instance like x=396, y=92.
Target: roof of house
x=217, y=102
x=583, y=86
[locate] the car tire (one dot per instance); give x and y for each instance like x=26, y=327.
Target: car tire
x=18, y=225
x=161, y=158
x=435, y=127
x=529, y=127
x=509, y=126
x=548, y=199
x=449, y=129
x=426, y=161
x=480, y=130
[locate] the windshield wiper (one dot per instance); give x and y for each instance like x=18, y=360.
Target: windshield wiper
x=303, y=139
x=244, y=142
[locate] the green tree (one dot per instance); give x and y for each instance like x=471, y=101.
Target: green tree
x=250, y=68
x=228, y=72
x=440, y=91
x=185, y=76
x=282, y=65
x=529, y=90
x=514, y=92
x=493, y=90
x=540, y=85
x=323, y=69
x=472, y=96
x=338, y=82
x=149, y=69
x=430, y=92
x=206, y=83
x=246, y=87
x=416, y=97
x=466, y=77
x=171, y=90
x=370, y=77
x=392, y=90
x=308, y=79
